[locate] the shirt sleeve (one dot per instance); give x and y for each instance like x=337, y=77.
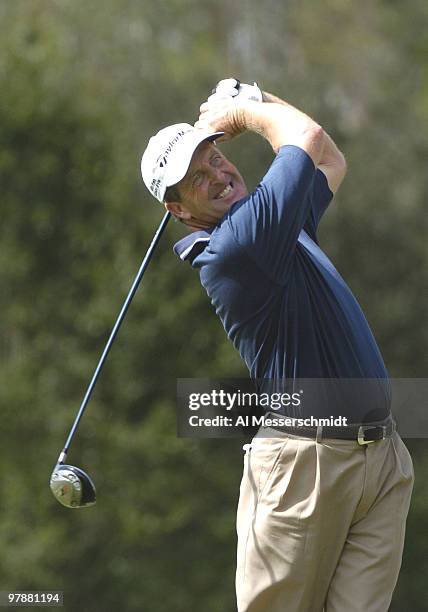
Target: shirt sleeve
x=320, y=196
x=268, y=222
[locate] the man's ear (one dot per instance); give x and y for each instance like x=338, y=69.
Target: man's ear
x=176, y=209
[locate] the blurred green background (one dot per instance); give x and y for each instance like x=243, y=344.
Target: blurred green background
x=83, y=86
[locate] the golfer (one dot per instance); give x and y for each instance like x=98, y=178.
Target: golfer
x=322, y=510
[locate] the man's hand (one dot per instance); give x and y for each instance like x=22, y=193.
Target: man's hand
x=224, y=109
x=235, y=89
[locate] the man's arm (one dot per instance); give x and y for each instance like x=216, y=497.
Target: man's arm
x=281, y=124
x=267, y=223
x=332, y=162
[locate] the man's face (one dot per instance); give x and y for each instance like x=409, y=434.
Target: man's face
x=211, y=185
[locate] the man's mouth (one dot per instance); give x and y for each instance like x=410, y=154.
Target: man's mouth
x=225, y=192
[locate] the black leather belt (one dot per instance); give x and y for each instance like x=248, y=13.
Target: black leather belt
x=363, y=433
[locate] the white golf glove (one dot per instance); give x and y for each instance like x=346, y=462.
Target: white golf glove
x=232, y=88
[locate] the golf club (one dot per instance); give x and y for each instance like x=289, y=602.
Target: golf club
x=70, y=485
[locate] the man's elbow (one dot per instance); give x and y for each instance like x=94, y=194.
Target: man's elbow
x=341, y=167
x=342, y=163
x=314, y=142
x=334, y=170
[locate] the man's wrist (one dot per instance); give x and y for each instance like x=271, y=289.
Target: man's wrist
x=246, y=116
x=278, y=123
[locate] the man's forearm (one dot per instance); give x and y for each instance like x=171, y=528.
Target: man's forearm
x=281, y=124
x=331, y=153
x=278, y=122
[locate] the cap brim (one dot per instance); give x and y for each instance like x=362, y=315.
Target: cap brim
x=181, y=164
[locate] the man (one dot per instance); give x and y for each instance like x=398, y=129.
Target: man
x=322, y=511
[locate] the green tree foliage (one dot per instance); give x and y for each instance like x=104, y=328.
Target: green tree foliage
x=83, y=86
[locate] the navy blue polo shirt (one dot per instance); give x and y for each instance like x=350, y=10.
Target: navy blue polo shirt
x=283, y=304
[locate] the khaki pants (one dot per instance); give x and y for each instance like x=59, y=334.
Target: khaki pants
x=321, y=524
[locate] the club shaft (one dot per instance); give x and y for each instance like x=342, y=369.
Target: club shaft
x=113, y=334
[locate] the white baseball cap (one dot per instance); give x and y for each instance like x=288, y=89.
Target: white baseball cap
x=168, y=155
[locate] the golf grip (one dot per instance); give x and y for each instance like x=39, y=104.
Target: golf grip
x=114, y=331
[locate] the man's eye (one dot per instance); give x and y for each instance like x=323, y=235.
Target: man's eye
x=216, y=161
x=197, y=180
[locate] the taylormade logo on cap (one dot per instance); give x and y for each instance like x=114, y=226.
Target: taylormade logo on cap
x=168, y=155
x=164, y=156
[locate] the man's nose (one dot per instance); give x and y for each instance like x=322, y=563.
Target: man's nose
x=216, y=175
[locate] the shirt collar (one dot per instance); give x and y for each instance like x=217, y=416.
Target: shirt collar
x=192, y=245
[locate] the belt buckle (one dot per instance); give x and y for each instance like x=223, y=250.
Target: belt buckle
x=361, y=440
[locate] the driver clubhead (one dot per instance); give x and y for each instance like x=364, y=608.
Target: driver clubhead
x=72, y=487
